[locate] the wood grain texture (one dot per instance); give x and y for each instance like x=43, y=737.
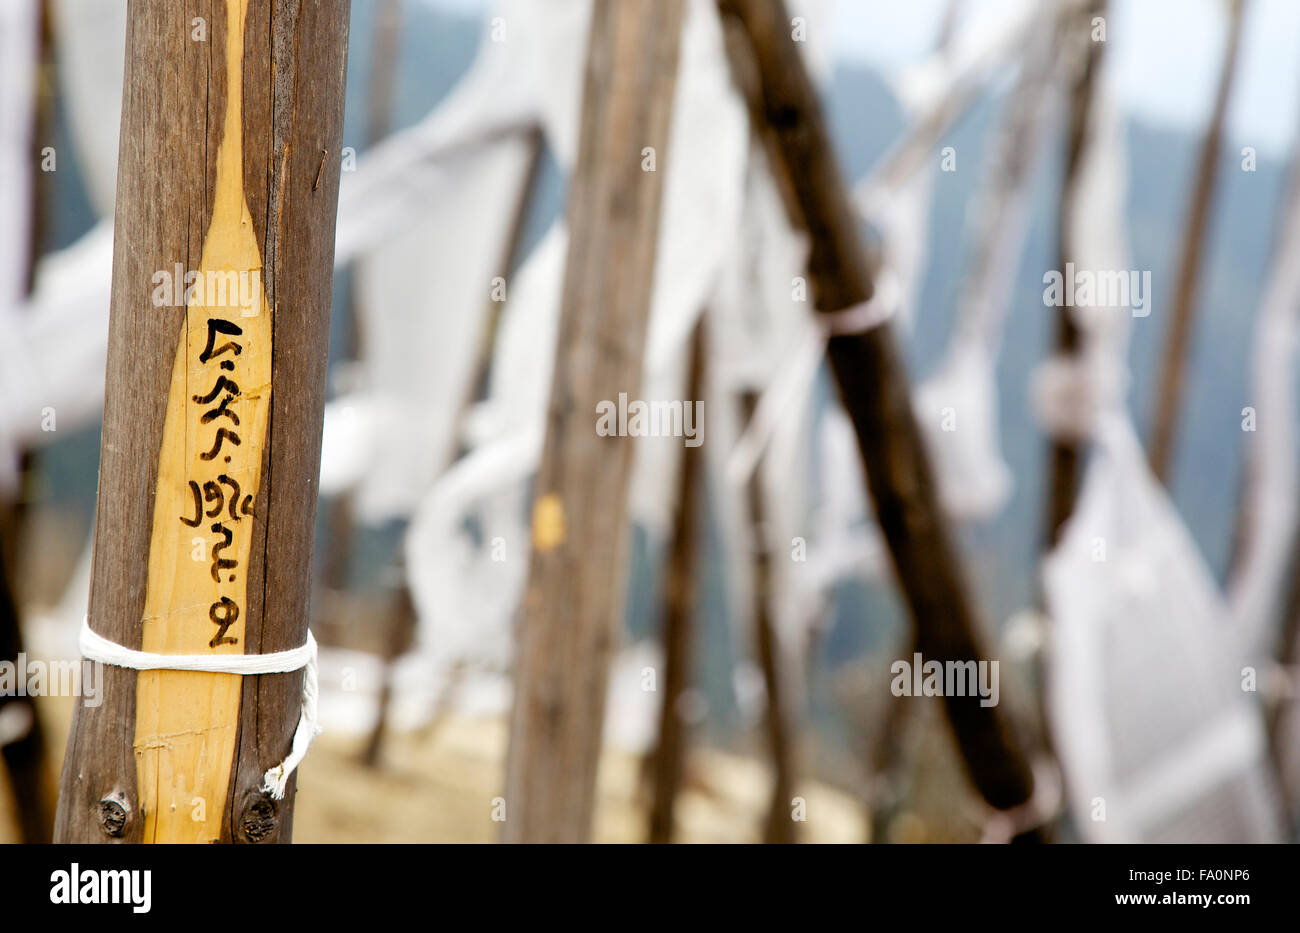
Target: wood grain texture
x=175, y=116
x=580, y=525
x=873, y=384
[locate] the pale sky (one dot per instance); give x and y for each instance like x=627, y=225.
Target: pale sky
x=1165, y=54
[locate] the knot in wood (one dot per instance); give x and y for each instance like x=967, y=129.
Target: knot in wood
x=259, y=819
x=113, y=815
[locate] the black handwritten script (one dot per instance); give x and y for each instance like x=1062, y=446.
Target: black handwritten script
x=218, y=496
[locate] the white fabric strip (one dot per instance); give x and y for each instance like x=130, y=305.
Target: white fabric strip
x=96, y=647
x=865, y=315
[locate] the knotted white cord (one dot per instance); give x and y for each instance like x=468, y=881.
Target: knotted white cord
x=791, y=383
x=96, y=647
x=865, y=315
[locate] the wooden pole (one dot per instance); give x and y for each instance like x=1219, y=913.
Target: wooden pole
x=679, y=629
x=1065, y=457
x=779, y=720
x=229, y=167
x=336, y=569
x=579, y=519
x=25, y=757
x=1170, y=391
x=873, y=385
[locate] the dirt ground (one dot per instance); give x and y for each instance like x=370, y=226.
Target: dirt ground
x=439, y=787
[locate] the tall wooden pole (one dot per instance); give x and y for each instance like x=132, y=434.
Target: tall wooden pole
x=1170, y=391
x=873, y=385
x=679, y=616
x=1065, y=457
x=228, y=166
x=579, y=517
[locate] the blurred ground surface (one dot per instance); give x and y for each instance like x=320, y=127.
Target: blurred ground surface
x=439, y=786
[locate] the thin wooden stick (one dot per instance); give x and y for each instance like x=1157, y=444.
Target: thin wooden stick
x=679, y=629
x=779, y=720
x=1169, y=396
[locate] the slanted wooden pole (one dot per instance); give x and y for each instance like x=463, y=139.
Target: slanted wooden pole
x=579, y=516
x=679, y=616
x=1170, y=388
x=508, y=261
x=1065, y=457
x=873, y=385
x=229, y=167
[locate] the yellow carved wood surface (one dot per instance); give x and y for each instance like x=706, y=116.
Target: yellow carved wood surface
x=209, y=471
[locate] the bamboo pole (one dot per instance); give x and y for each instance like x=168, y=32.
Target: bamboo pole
x=579, y=520
x=240, y=178
x=873, y=385
x=679, y=628
x=1170, y=389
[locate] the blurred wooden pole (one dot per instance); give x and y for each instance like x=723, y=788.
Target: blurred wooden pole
x=385, y=42
x=579, y=523
x=778, y=719
x=240, y=180
x=1182, y=312
x=873, y=384
x=1065, y=457
x=679, y=618
x=24, y=749
x=26, y=756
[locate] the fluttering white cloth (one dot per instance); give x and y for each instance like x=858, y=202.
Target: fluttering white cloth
x=90, y=38
x=1272, y=489
x=1157, y=739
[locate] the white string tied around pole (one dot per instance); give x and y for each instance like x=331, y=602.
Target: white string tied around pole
x=95, y=647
